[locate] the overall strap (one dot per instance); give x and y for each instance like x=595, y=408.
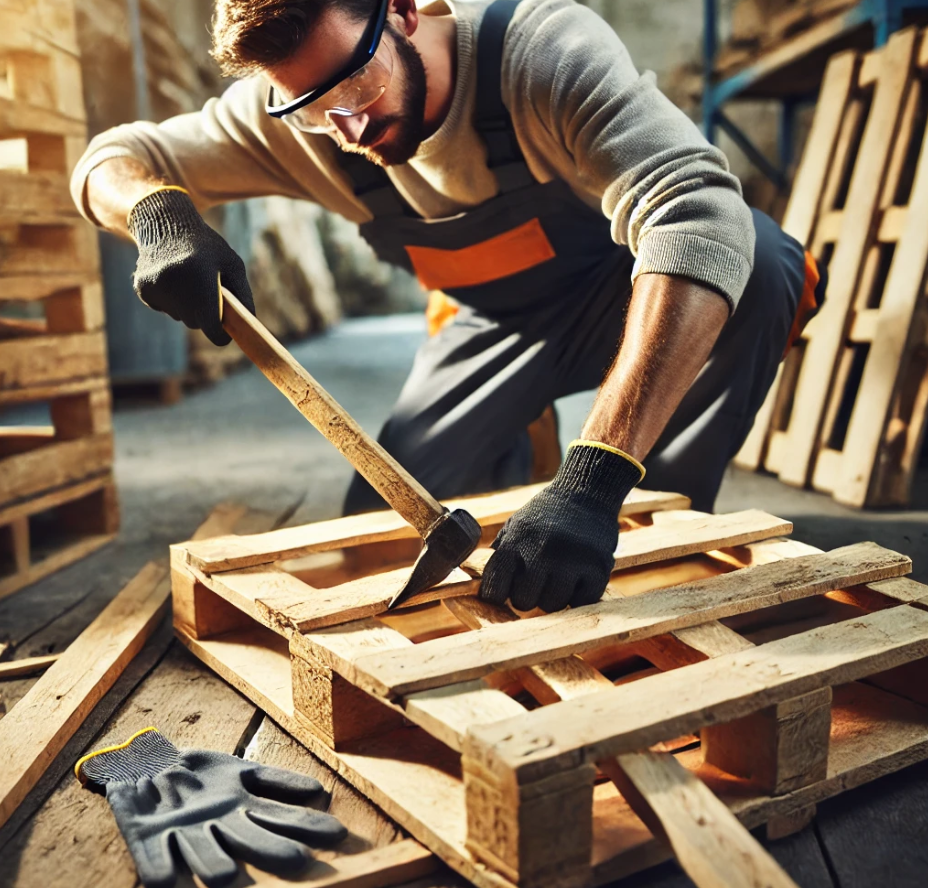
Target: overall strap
x=492, y=120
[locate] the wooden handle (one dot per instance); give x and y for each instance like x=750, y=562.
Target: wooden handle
x=406, y=495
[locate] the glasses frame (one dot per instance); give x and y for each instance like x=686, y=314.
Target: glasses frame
x=363, y=54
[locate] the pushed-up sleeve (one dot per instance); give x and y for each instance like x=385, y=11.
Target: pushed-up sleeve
x=576, y=96
x=229, y=150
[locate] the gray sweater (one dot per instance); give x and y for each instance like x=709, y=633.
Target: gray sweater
x=581, y=113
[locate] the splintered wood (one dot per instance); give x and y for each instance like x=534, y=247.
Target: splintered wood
x=847, y=413
x=57, y=498
x=728, y=678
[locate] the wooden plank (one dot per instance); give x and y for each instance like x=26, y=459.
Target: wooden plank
x=19, y=439
x=34, y=194
x=638, y=714
x=26, y=666
x=294, y=542
x=48, y=360
x=393, y=864
x=56, y=465
x=445, y=713
x=473, y=655
x=804, y=204
x=865, y=325
x=62, y=557
x=548, y=682
x=286, y=604
x=884, y=369
x=712, y=847
x=375, y=852
x=37, y=728
x=48, y=392
x=31, y=286
x=817, y=374
x=18, y=117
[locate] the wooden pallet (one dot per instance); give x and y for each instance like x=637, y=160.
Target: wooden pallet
x=489, y=737
x=847, y=413
x=57, y=499
x=46, y=533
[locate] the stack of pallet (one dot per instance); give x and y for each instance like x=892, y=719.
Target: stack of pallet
x=727, y=675
x=57, y=499
x=759, y=26
x=847, y=413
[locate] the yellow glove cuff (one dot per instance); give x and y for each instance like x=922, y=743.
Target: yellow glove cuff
x=96, y=752
x=580, y=443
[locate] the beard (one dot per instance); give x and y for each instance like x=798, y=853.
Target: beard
x=408, y=126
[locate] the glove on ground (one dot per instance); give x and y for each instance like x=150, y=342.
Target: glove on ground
x=181, y=260
x=204, y=808
x=558, y=549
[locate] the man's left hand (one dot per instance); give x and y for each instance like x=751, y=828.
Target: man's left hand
x=558, y=549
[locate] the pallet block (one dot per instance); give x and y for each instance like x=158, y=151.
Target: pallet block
x=848, y=410
x=516, y=746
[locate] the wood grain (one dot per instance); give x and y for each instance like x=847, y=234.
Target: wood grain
x=472, y=655
x=819, y=366
x=232, y=553
x=37, y=727
x=286, y=604
x=712, y=847
x=673, y=703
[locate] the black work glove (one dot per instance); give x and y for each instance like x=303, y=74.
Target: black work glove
x=206, y=808
x=559, y=548
x=181, y=260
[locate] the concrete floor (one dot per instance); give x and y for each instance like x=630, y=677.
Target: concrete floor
x=242, y=441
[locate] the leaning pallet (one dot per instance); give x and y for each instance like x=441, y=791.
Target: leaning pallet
x=727, y=673
x=847, y=413
x=57, y=500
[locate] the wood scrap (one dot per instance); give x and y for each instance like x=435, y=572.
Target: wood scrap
x=50, y=713
x=26, y=666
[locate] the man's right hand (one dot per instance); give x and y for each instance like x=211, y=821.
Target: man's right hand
x=181, y=262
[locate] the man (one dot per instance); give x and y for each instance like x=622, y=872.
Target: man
x=511, y=155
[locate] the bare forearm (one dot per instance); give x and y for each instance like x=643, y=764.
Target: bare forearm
x=671, y=327
x=115, y=187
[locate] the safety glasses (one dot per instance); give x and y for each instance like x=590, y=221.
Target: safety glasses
x=359, y=84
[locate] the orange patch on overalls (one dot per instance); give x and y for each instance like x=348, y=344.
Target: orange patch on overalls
x=501, y=256
x=808, y=303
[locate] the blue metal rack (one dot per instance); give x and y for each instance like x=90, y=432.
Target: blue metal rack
x=760, y=79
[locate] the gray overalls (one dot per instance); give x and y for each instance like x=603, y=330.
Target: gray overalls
x=525, y=336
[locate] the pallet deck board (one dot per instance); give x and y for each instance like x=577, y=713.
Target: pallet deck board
x=721, y=689
x=232, y=553
x=509, y=646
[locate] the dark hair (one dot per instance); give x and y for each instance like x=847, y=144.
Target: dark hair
x=249, y=35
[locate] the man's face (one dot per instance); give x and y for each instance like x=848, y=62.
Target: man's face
x=389, y=131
